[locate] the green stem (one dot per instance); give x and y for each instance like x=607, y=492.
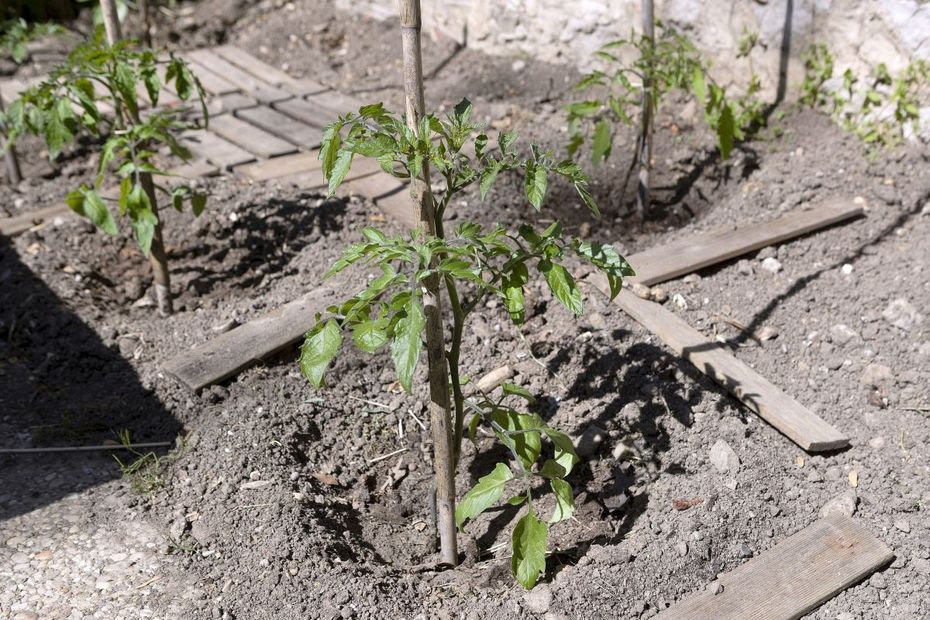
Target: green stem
x=453, y=355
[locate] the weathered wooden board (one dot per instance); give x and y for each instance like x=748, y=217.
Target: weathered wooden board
x=307, y=112
x=388, y=193
x=336, y=101
x=268, y=73
x=299, y=134
x=714, y=359
x=250, y=137
x=14, y=225
x=215, y=149
x=285, y=165
x=690, y=254
x=227, y=354
x=251, y=85
x=313, y=178
x=794, y=577
x=213, y=83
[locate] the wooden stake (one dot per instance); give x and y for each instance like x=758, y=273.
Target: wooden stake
x=645, y=138
x=440, y=410
x=146, y=23
x=158, y=258
x=13, y=173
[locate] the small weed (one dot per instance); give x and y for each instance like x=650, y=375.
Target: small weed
x=144, y=472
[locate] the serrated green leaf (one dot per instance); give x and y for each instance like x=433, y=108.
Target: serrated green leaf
x=564, y=449
x=340, y=169
x=562, y=285
x=516, y=500
x=473, y=428
x=726, y=130
x=529, y=549
x=516, y=390
x=483, y=495
x=552, y=469
x=318, y=350
x=96, y=210
x=505, y=140
x=370, y=335
x=143, y=222
x=329, y=147
x=600, y=147
x=198, y=203
x=537, y=178
x=405, y=349
x=564, y=501
x=488, y=176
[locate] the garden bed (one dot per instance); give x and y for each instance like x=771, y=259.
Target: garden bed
x=280, y=503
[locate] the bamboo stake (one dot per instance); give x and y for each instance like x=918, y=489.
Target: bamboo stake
x=13, y=173
x=146, y=23
x=158, y=257
x=645, y=138
x=440, y=410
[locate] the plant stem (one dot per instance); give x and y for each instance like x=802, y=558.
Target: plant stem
x=13, y=173
x=440, y=415
x=158, y=257
x=645, y=138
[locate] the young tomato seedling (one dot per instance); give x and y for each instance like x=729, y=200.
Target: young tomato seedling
x=472, y=263
x=97, y=91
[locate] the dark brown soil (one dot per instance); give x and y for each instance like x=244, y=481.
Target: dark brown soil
x=330, y=535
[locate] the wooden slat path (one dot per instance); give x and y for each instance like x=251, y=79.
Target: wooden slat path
x=307, y=112
x=299, y=134
x=714, y=359
x=298, y=163
x=335, y=101
x=794, y=577
x=250, y=137
x=214, y=84
x=255, y=87
x=215, y=149
x=231, y=352
x=694, y=253
x=269, y=73
x=15, y=225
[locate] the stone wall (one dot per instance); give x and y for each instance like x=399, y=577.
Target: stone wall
x=859, y=33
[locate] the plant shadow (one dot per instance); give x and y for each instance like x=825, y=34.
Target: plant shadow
x=61, y=385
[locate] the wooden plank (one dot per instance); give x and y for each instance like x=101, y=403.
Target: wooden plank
x=714, y=359
x=285, y=165
x=269, y=73
x=307, y=112
x=214, y=84
x=215, y=149
x=251, y=85
x=690, y=254
x=336, y=101
x=250, y=137
x=389, y=194
x=293, y=131
x=227, y=354
x=313, y=178
x=792, y=578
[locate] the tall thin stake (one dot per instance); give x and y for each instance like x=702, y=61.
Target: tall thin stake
x=422, y=196
x=158, y=257
x=13, y=173
x=645, y=138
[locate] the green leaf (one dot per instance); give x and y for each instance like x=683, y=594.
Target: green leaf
x=516, y=500
x=198, y=203
x=529, y=549
x=562, y=285
x=340, y=170
x=726, y=129
x=552, y=469
x=584, y=108
x=319, y=348
x=537, y=178
x=564, y=449
x=521, y=434
x=329, y=147
x=370, y=335
x=698, y=87
x=600, y=148
x=505, y=140
x=94, y=209
x=483, y=495
x=564, y=501
x=473, y=427
x=488, y=176
x=143, y=223
x=515, y=390
x=405, y=350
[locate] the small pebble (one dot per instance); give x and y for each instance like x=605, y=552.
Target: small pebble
x=682, y=548
x=771, y=264
x=903, y=526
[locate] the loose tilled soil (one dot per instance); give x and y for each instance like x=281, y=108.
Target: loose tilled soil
x=271, y=506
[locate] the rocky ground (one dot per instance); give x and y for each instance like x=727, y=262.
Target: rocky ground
x=274, y=503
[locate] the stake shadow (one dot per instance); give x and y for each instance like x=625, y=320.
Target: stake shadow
x=61, y=385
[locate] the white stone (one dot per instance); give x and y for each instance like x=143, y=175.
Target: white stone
x=771, y=264
x=846, y=269
x=723, y=458
x=843, y=504
x=902, y=314
x=842, y=333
